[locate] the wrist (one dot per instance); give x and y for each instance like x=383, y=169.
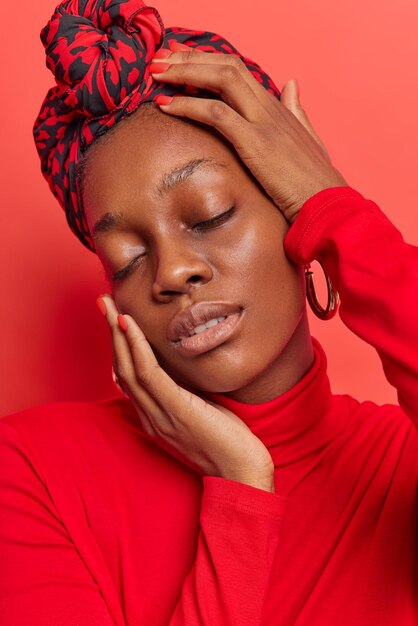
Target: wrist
x=264, y=483
x=337, y=180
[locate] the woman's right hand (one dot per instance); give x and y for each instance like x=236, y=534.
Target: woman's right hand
x=210, y=438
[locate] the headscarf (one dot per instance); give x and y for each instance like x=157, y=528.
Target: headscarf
x=99, y=52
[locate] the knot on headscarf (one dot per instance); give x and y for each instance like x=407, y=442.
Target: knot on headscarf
x=99, y=51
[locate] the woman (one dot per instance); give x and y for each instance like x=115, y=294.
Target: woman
x=229, y=486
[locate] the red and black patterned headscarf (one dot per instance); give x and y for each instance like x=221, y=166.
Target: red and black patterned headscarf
x=100, y=52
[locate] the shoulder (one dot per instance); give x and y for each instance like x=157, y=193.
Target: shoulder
x=385, y=427
x=60, y=428
x=369, y=414
x=385, y=416
x=54, y=416
x=79, y=447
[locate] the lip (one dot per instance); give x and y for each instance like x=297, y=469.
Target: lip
x=183, y=324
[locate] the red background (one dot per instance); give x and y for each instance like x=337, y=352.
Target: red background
x=356, y=66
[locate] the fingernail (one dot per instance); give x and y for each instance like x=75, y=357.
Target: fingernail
x=161, y=99
x=101, y=306
x=297, y=88
x=122, y=322
x=176, y=46
x=162, y=53
x=158, y=67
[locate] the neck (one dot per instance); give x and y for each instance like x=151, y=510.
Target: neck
x=297, y=424
x=291, y=363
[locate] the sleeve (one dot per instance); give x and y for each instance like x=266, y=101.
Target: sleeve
x=376, y=274
x=238, y=540
x=43, y=580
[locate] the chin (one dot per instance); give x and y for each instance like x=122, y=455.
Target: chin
x=230, y=367
x=225, y=375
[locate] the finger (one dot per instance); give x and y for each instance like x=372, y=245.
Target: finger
x=225, y=78
x=104, y=309
x=176, y=46
x=148, y=372
x=179, y=405
x=218, y=114
x=195, y=55
x=122, y=360
x=124, y=368
x=167, y=411
x=117, y=382
x=290, y=99
x=152, y=390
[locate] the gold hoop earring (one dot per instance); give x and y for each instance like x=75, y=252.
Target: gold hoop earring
x=333, y=296
x=117, y=383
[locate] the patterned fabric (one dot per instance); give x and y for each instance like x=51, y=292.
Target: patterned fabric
x=99, y=52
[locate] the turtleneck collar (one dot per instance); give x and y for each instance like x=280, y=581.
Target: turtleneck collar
x=298, y=422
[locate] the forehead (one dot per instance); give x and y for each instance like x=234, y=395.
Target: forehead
x=144, y=158
x=150, y=142
x=150, y=159
x=170, y=180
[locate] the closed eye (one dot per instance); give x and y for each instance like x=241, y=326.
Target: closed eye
x=214, y=221
x=125, y=270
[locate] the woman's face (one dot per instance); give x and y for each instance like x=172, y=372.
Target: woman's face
x=183, y=222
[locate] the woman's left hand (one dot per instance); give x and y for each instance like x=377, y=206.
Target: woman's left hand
x=273, y=138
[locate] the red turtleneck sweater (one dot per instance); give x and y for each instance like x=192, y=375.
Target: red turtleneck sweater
x=99, y=526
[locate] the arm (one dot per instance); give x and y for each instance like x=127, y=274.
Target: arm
x=239, y=535
x=46, y=578
x=43, y=579
x=240, y=513
x=375, y=273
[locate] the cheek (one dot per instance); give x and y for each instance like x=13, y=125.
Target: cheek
x=258, y=257
x=252, y=270
x=274, y=285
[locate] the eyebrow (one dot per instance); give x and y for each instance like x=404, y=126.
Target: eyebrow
x=109, y=220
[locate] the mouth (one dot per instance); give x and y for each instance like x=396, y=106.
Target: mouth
x=203, y=327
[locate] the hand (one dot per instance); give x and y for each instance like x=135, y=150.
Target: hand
x=209, y=438
x=273, y=138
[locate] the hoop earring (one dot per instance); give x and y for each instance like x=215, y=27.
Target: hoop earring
x=333, y=296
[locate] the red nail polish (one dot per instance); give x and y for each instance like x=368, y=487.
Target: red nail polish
x=176, y=46
x=101, y=306
x=161, y=99
x=158, y=68
x=162, y=53
x=122, y=322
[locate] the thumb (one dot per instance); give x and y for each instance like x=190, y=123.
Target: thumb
x=289, y=97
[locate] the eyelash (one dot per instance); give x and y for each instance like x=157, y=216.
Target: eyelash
x=214, y=222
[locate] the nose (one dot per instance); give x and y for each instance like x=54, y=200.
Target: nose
x=179, y=269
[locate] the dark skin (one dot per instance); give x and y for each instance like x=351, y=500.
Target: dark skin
x=180, y=258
